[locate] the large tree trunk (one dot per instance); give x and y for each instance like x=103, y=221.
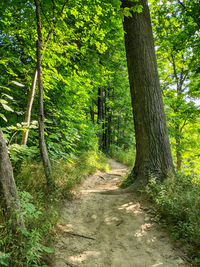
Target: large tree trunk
x=8, y=189
x=153, y=154
x=43, y=148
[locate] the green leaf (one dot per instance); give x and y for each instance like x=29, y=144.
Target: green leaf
x=6, y=107
x=17, y=83
x=3, y=117
x=46, y=249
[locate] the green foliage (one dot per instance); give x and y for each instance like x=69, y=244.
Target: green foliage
x=69, y=174
x=38, y=206
x=178, y=203
x=125, y=156
x=25, y=248
x=4, y=259
x=127, y=181
x=177, y=50
x=20, y=153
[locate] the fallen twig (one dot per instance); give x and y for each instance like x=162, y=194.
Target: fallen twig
x=69, y=264
x=101, y=177
x=83, y=236
x=119, y=223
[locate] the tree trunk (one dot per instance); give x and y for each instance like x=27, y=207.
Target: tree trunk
x=92, y=113
x=43, y=148
x=104, y=126
x=178, y=147
x=8, y=189
x=178, y=154
x=153, y=154
x=29, y=108
x=33, y=86
x=100, y=116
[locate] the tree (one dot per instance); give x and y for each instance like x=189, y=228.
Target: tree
x=176, y=44
x=8, y=188
x=153, y=154
x=43, y=148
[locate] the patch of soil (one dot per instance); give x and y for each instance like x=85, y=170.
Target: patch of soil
x=100, y=230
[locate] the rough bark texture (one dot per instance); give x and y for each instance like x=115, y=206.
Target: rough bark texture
x=153, y=154
x=43, y=148
x=8, y=190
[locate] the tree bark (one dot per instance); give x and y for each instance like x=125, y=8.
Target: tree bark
x=153, y=154
x=8, y=189
x=43, y=148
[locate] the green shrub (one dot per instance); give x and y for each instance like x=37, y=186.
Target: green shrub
x=178, y=201
x=125, y=156
x=21, y=153
x=25, y=248
x=39, y=205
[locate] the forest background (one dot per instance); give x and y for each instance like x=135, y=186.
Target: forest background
x=87, y=109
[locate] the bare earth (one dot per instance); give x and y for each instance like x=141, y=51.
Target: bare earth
x=100, y=230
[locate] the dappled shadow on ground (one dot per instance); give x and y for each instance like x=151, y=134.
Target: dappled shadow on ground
x=111, y=230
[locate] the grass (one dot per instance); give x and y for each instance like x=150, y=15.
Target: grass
x=39, y=207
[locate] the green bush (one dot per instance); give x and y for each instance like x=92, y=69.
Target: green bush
x=125, y=156
x=39, y=205
x=178, y=201
x=21, y=153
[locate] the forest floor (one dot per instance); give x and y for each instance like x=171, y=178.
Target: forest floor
x=108, y=230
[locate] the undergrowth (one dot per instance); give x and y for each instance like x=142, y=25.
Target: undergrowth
x=39, y=206
x=178, y=202
x=125, y=156
x=127, y=181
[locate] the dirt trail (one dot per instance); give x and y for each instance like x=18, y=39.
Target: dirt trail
x=122, y=229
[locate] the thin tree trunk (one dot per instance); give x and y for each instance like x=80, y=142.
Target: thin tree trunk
x=178, y=147
x=43, y=148
x=32, y=95
x=33, y=86
x=29, y=108
x=100, y=116
x=108, y=114
x=92, y=113
x=8, y=189
x=178, y=155
x=153, y=154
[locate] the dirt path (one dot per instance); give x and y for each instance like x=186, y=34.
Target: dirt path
x=111, y=230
